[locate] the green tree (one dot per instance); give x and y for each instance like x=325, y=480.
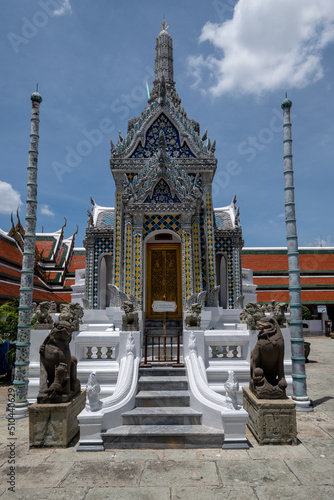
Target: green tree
x=9, y=320
x=306, y=313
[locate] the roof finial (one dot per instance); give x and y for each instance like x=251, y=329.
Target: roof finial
x=36, y=87
x=164, y=26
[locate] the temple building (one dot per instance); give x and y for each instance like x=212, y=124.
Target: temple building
x=164, y=240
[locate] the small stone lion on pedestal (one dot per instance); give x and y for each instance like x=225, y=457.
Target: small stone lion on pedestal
x=267, y=379
x=58, y=375
x=193, y=316
x=130, y=320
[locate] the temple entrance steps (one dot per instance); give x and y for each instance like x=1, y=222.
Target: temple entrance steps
x=162, y=417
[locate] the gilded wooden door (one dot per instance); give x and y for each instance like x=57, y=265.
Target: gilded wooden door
x=163, y=277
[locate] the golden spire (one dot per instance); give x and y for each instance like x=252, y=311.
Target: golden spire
x=164, y=26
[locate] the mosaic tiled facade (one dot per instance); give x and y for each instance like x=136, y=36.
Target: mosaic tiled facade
x=103, y=246
x=163, y=170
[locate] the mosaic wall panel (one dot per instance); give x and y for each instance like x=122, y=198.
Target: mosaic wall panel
x=210, y=240
x=173, y=145
x=187, y=265
x=102, y=246
x=155, y=222
x=203, y=248
x=237, y=274
x=118, y=243
x=128, y=257
x=90, y=275
x=197, y=258
x=224, y=245
x=138, y=267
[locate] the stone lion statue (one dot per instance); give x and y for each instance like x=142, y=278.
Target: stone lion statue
x=267, y=379
x=251, y=314
x=58, y=370
x=72, y=313
x=130, y=320
x=193, y=316
x=42, y=315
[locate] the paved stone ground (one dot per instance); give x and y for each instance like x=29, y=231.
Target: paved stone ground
x=304, y=471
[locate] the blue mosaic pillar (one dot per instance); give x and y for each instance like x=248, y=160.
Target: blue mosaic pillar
x=210, y=240
x=118, y=240
x=21, y=379
x=89, y=275
x=303, y=402
x=138, y=252
x=187, y=257
x=197, y=261
x=128, y=269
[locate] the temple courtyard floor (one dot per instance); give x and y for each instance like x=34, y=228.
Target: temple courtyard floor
x=303, y=471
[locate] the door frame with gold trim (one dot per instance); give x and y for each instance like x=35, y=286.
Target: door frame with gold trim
x=150, y=314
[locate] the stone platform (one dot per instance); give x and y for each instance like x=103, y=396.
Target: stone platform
x=279, y=472
x=272, y=421
x=55, y=425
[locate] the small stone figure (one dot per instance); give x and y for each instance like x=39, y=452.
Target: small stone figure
x=52, y=307
x=44, y=320
x=72, y=313
x=193, y=316
x=251, y=313
x=267, y=379
x=58, y=376
x=280, y=309
x=130, y=318
x=231, y=387
x=93, y=389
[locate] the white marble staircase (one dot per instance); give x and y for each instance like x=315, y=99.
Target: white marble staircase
x=162, y=417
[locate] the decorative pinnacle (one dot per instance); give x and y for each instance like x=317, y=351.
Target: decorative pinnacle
x=164, y=26
x=286, y=103
x=36, y=96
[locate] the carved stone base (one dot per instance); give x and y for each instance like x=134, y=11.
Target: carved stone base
x=271, y=421
x=43, y=326
x=55, y=425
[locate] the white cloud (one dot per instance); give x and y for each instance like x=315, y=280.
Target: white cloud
x=46, y=211
x=267, y=45
x=10, y=199
x=65, y=8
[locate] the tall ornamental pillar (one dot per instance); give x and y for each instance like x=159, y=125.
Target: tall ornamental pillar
x=300, y=396
x=21, y=379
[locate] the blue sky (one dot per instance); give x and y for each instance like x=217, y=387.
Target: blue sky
x=233, y=62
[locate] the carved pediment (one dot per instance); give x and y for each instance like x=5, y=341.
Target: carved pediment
x=161, y=180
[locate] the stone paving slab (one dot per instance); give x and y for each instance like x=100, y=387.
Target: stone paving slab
x=126, y=493
x=40, y=476
x=100, y=474
x=280, y=452
x=214, y=493
x=205, y=454
x=319, y=449
x=295, y=493
x=310, y=472
x=255, y=473
x=171, y=473
x=46, y=494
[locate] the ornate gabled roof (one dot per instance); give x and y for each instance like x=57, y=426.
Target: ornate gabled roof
x=163, y=112
x=161, y=180
x=176, y=126
x=227, y=218
x=101, y=217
